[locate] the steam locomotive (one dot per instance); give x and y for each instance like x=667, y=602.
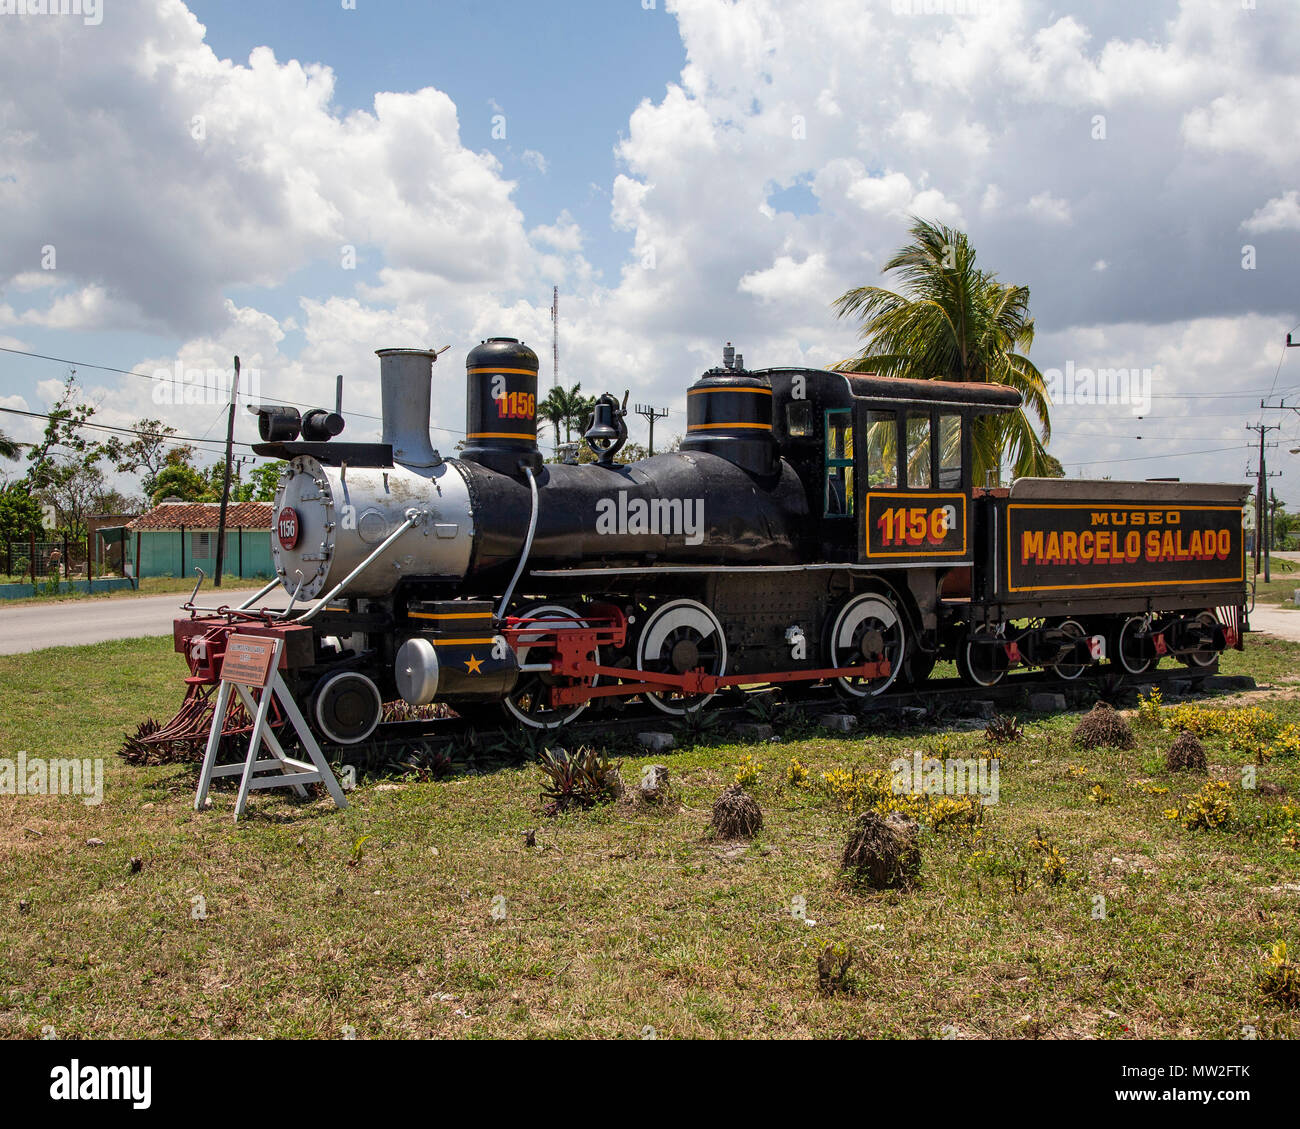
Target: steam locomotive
x=814, y=529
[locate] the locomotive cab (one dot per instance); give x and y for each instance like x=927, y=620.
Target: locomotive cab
x=886, y=463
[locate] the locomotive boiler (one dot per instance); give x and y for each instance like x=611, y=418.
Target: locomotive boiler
x=815, y=529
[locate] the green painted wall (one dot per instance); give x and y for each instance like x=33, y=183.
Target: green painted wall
x=160, y=553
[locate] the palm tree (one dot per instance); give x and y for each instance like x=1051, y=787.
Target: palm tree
x=9, y=448
x=577, y=408
x=553, y=410
x=956, y=322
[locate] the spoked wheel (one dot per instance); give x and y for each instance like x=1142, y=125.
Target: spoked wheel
x=976, y=657
x=679, y=637
x=868, y=629
x=1206, y=657
x=1130, y=649
x=530, y=703
x=1071, y=670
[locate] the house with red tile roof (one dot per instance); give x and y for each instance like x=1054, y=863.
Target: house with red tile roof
x=174, y=538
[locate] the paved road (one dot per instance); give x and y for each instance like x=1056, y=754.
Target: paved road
x=1276, y=621
x=34, y=626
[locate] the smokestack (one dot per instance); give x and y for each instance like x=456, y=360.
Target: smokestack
x=405, y=380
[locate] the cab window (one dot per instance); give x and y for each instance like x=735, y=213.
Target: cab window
x=882, y=450
x=798, y=419
x=839, y=463
x=919, y=451
x=949, y=451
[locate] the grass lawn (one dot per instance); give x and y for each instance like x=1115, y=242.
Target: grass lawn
x=1281, y=589
x=381, y=919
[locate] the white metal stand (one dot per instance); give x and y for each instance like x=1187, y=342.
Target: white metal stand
x=291, y=773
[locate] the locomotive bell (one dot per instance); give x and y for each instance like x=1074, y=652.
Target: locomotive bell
x=602, y=429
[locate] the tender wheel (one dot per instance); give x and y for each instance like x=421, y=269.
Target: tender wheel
x=1207, y=657
x=1071, y=670
x=1130, y=649
x=868, y=629
x=681, y=636
x=976, y=661
x=529, y=703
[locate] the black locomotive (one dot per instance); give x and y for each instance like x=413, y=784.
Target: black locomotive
x=815, y=528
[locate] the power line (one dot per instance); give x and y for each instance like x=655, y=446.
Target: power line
x=169, y=439
x=1175, y=455
x=246, y=399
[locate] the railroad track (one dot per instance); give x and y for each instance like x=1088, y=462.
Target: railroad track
x=452, y=743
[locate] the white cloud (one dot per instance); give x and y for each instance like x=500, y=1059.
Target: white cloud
x=1280, y=214
x=786, y=279
x=1049, y=208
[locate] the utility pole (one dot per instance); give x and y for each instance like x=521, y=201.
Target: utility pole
x=555, y=336
x=225, y=486
x=651, y=413
x=1261, y=516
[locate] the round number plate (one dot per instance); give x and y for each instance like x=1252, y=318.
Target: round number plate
x=287, y=528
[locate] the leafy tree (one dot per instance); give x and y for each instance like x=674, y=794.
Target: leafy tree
x=216, y=475
x=1282, y=525
x=10, y=449
x=956, y=322
x=63, y=439
x=263, y=481
x=20, y=514
x=1052, y=467
x=179, y=480
x=76, y=489
x=147, y=453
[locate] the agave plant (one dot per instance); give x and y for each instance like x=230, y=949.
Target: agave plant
x=577, y=780
x=1003, y=730
x=697, y=726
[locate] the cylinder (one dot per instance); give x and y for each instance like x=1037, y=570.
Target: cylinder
x=730, y=416
x=457, y=654
x=405, y=376
x=501, y=406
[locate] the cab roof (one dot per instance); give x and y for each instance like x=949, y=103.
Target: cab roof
x=871, y=386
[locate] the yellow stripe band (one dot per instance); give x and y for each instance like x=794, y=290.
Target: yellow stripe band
x=507, y=371
x=462, y=642
x=754, y=391
x=529, y=435
x=450, y=615
x=719, y=426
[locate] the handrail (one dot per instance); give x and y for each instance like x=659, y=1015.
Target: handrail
x=413, y=517
x=528, y=547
